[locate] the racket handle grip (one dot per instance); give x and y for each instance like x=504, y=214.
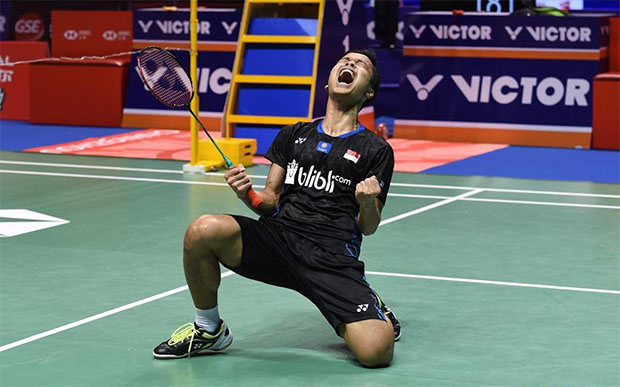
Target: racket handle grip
x=254, y=199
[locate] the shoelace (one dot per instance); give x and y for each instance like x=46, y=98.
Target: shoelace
x=182, y=333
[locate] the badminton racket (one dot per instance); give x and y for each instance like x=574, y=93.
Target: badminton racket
x=169, y=83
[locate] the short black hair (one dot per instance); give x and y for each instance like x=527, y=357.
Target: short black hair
x=374, y=79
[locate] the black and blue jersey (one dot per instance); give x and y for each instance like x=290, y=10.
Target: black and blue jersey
x=318, y=194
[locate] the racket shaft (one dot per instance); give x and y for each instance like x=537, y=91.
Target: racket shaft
x=252, y=196
x=227, y=161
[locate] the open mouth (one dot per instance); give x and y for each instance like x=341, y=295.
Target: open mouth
x=346, y=76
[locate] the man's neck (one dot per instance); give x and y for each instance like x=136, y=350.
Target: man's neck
x=339, y=120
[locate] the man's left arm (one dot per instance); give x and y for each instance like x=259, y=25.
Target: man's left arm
x=366, y=193
x=371, y=193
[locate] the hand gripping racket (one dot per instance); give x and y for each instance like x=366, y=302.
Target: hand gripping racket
x=167, y=80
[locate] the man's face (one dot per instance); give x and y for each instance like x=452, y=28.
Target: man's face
x=349, y=80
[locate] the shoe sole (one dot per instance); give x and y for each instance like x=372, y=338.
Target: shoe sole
x=208, y=351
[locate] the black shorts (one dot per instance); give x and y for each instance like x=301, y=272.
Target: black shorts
x=334, y=282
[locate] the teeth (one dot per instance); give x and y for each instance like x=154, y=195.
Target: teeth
x=348, y=71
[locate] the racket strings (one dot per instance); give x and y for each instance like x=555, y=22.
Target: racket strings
x=165, y=77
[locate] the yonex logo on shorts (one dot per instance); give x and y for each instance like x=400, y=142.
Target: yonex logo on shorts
x=362, y=308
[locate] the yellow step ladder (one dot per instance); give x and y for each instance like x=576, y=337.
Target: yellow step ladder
x=254, y=11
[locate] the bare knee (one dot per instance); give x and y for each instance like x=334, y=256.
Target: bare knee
x=217, y=236
x=201, y=231
x=374, y=356
x=372, y=342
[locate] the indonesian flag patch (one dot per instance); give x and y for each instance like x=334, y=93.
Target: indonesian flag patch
x=352, y=156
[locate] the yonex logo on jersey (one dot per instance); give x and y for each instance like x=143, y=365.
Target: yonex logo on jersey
x=324, y=147
x=300, y=140
x=362, y=308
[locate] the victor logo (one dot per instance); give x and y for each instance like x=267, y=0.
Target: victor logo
x=229, y=28
x=424, y=89
x=462, y=32
x=505, y=89
x=178, y=27
x=513, y=33
x=561, y=34
x=344, y=6
x=145, y=26
x=417, y=32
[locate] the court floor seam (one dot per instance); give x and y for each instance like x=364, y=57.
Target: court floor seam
x=209, y=183
x=394, y=184
x=229, y=273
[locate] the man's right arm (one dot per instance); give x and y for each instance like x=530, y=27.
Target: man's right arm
x=240, y=183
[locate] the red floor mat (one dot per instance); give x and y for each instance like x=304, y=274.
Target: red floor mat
x=410, y=155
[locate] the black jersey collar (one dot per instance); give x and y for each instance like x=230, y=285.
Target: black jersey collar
x=320, y=129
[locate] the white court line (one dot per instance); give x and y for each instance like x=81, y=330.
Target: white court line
x=521, y=191
x=211, y=183
x=98, y=316
x=85, y=166
x=122, y=178
x=110, y=168
x=501, y=283
x=393, y=184
x=429, y=207
x=488, y=200
x=542, y=203
x=183, y=288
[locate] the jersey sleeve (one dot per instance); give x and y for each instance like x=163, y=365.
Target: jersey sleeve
x=280, y=148
x=382, y=167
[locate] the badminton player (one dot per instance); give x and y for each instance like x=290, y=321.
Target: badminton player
x=327, y=185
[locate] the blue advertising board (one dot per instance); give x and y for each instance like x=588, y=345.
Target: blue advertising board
x=498, y=78
x=504, y=30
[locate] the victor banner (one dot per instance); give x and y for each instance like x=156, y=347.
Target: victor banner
x=498, y=78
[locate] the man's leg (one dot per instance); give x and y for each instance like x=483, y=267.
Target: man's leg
x=210, y=239
x=372, y=341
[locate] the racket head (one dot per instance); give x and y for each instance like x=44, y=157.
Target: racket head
x=164, y=76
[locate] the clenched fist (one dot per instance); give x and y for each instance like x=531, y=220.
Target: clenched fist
x=366, y=191
x=238, y=180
